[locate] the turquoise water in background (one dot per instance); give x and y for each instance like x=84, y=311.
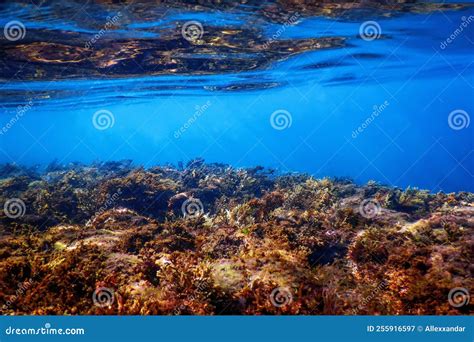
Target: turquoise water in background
x=395, y=109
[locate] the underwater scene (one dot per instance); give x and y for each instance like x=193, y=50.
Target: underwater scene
x=280, y=157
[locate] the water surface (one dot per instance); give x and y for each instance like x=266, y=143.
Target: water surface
x=371, y=91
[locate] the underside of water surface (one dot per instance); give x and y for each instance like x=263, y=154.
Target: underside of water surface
x=236, y=157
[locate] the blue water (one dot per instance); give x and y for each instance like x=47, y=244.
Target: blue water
x=414, y=81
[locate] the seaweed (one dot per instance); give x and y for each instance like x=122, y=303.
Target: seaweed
x=209, y=239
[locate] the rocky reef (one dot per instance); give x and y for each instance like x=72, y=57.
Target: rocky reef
x=208, y=239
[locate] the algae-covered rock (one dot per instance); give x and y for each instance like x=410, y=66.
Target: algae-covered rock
x=209, y=239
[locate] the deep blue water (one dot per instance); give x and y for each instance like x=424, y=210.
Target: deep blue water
x=410, y=73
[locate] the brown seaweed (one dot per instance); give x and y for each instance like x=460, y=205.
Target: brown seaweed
x=208, y=239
